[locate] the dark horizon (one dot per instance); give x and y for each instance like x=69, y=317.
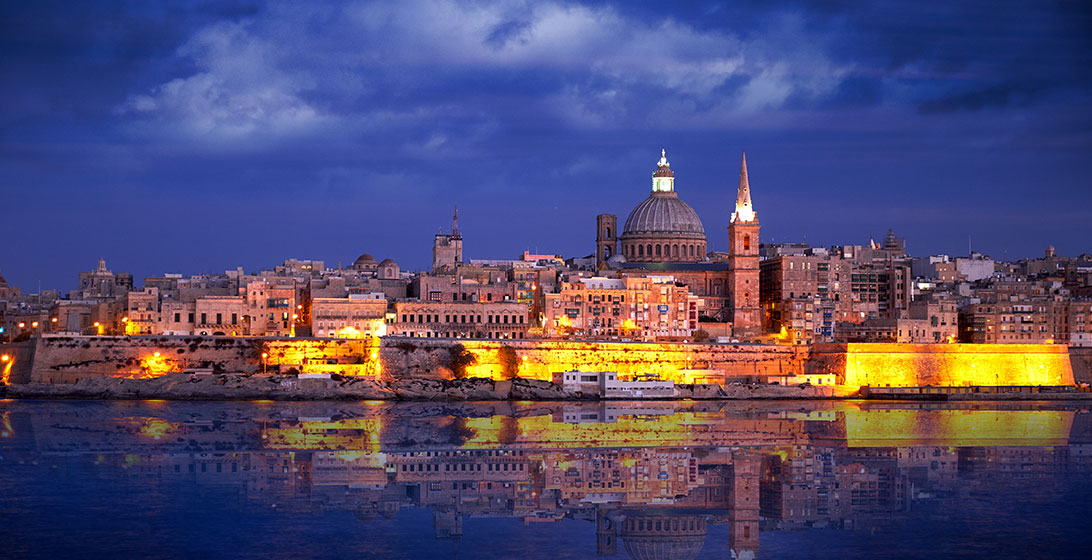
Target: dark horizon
x=194, y=139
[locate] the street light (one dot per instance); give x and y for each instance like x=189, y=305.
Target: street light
x=264, y=356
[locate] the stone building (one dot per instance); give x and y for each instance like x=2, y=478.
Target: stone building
x=459, y=319
x=663, y=235
x=357, y=316
x=101, y=284
x=447, y=248
x=640, y=308
x=804, y=295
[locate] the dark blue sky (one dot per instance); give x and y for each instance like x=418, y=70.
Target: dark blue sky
x=197, y=136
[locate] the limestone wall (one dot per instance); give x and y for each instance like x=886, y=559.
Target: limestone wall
x=916, y=365
x=1081, y=358
x=540, y=359
x=64, y=359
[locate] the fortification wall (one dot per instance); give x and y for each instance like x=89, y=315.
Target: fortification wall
x=950, y=365
x=67, y=359
x=537, y=359
x=1081, y=359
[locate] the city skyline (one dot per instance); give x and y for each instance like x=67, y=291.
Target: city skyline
x=194, y=140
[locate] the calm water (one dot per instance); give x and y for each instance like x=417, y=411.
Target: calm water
x=622, y=480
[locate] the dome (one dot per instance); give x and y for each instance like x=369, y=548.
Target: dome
x=388, y=262
x=663, y=537
x=3, y=282
x=663, y=213
x=365, y=259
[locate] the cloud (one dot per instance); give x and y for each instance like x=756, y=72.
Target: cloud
x=296, y=70
x=239, y=91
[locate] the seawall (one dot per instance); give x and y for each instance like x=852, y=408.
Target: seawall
x=66, y=360
x=943, y=365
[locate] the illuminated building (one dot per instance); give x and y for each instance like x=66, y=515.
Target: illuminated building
x=927, y=322
x=357, y=316
x=460, y=319
x=142, y=311
x=807, y=295
x=639, y=308
x=663, y=235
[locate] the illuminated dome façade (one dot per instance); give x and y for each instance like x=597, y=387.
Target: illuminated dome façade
x=662, y=227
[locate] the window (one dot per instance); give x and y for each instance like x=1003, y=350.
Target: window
x=234, y=318
x=746, y=242
x=177, y=317
x=204, y=318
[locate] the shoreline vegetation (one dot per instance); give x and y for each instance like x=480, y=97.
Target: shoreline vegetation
x=238, y=387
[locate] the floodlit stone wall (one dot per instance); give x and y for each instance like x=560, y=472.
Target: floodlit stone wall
x=537, y=359
x=943, y=365
x=67, y=359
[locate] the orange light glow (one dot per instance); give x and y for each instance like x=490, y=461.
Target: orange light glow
x=955, y=365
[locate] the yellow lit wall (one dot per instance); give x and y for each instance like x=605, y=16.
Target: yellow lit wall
x=873, y=427
x=953, y=365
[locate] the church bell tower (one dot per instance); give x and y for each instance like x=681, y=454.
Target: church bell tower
x=746, y=314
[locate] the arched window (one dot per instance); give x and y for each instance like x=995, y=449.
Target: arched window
x=607, y=252
x=675, y=250
x=657, y=250
x=641, y=250
x=746, y=242
x=608, y=233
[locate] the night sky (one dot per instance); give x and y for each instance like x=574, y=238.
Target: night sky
x=195, y=137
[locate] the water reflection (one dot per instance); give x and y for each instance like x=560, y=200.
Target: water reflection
x=647, y=481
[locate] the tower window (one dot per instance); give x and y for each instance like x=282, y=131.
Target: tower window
x=746, y=242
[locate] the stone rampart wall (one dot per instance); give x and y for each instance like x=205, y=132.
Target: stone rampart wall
x=917, y=365
x=66, y=359
x=537, y=359
x=1081, y=358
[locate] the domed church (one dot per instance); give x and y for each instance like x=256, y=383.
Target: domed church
x=664, y=235
x=663, y=227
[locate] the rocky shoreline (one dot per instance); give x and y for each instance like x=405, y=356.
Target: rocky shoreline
x=228, y=387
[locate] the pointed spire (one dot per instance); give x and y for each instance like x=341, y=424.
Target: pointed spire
x=744, y=211
x=455, y=223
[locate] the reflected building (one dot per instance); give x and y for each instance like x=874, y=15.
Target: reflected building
x=650, y=501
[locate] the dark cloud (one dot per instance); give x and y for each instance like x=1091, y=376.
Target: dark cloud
x=196, y=137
